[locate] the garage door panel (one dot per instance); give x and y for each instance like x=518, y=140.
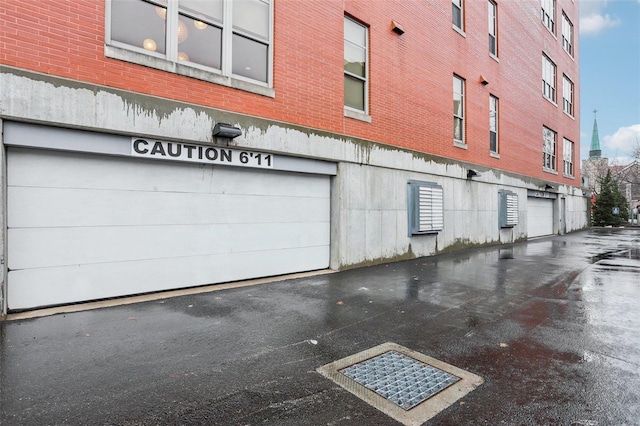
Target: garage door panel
x=50, y=247
x=43, y=286
x=235, y=181
x=539, y=216
x=51, y=169
x=52, y=207
x=84, y=227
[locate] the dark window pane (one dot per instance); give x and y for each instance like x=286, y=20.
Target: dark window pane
x=139, y=24
x=457, y=17
x=354, y=93
x=250, y=58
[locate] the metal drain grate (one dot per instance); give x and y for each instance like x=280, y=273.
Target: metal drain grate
x=400, y=379
x=409, y=386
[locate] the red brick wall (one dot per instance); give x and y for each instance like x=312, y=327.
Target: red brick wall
x=410, y=76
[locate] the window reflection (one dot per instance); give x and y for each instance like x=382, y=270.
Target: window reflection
x=138, y=24
x=353, y=93
x=252, y=16
x=209, y=9
x=249, y=58
x=195, y=31
x=203, y=45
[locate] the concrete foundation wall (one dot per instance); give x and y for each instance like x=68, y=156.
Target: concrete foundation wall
x=3, y=226
x=369, y=193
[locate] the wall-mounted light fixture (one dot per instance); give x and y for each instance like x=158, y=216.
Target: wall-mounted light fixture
x=472, y=173
x=548, y=187
x=223, y=130
x=483, y=80
x=396, y=28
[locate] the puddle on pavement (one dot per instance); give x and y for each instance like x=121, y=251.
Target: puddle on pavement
x=632, y=253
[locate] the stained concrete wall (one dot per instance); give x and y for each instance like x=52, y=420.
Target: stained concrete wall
x=3, y=226
x=369, y=195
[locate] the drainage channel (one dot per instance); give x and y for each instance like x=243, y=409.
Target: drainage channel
x=406, y=385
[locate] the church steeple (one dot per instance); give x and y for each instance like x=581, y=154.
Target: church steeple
x=595, y=151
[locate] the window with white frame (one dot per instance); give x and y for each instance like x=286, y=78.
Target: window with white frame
x=548, y=79
x=567, y=95
x=457, y=14
x=567, y=34
x=493, y=124
x=493, y=28
x=225, y=37
x=355, y=65
x=425, y=208
x=567, y=157
x=549, y=138
x=549, y=14
x=458, y=110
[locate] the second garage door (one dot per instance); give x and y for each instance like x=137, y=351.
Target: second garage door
x=539, y=216
x=85, y=227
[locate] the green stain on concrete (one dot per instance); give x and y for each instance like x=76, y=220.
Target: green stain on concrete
x=464, y=244
x=408, y=255
x=460, y=244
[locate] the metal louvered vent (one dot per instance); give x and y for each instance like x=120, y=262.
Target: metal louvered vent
x=426, y=208
x=508, y=209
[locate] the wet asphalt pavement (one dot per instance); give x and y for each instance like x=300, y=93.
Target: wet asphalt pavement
x=552, y=326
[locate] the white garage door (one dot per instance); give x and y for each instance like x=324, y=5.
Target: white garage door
x=539, y=216
x=85, y=227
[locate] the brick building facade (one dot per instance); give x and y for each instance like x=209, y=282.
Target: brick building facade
x=369, y=132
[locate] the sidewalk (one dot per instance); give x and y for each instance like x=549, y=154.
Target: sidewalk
x=551, y=326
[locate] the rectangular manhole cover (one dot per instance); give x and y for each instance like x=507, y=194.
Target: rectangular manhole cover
x=404, y=384
x=400, y=379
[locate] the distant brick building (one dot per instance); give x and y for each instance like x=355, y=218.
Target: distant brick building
x=368, y=132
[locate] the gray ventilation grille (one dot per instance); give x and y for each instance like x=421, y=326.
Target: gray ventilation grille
x=508, y=209
x=425, y=208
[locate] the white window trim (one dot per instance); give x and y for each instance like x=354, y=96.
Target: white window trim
x=461, y=143
x=495, y=25
x=571, y=102
x=497, y=132
x=224, y=77
x=570, y=41
x=356, y=114
x=566, y=142
x=550, y=14
x=554, y=166
x=351, y=112
x=553, y=86
x=459, y=29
